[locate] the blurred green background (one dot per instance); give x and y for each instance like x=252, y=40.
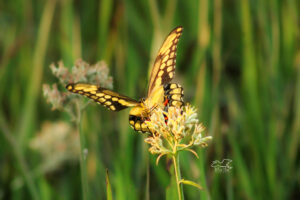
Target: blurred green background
x=238, y=61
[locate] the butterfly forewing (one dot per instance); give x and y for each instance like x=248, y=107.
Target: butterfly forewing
x=164, y=65
x=105, y=97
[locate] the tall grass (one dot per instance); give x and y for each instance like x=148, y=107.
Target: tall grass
x=238, y=61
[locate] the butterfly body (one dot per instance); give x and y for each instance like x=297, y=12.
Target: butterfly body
x=161, y=93
x=172, y=96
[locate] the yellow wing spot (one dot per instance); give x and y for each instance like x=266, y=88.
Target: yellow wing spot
x=123, y=102
x=178, y=29
x=137, y=126
x=158, y=81
x=114, y=99
x=112, y=107
x=108, y=103
x=176, y=97
x=80, y=92
x=160, y=73
x=131, y=122
x=100, y=94
x=172, y=55
x=88, y=89
x=107, y=96
x=172, y=86
x=93, y=92
x=165, y=58
x=173, y=48
x=144, y=127
x=166, y=47
x=176, y=91
x=163, y=66
x=94, y=97
x=176, y=39
x=167, y=52
x=85, y=87
x=171, y=38
x=170, y=69
x=170, y=62
x=101, y=100
x=171, y=75
x=70, y=87
x=78, y=87
x=177, y=103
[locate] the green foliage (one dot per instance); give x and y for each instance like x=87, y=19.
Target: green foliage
x=108, y=187
x=238, y=61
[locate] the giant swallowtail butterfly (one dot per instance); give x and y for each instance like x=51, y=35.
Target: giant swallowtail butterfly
x=161, y=93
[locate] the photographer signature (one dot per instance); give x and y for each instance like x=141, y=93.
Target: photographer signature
x=223, y=166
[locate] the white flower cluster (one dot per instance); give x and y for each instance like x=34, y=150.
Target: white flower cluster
x=57, y=143
x=175, y=130
x=83, y=72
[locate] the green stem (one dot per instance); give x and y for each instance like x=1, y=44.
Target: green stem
x=84, y=181
x=175, y=159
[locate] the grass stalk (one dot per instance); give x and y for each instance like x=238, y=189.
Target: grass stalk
x=20, y=158
x=83, y=168
x=34, y=84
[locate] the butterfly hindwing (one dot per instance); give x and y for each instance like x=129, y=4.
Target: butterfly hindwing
x=173, y=95
x=105, y=97
x=164, y=65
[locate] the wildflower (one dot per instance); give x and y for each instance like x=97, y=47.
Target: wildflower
x=81, y=72
x=181, y=131
x=57, y=143
x=54, y=96
x=173, y=131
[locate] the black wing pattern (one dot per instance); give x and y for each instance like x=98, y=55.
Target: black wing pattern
x=111, y=100
x=164, y=65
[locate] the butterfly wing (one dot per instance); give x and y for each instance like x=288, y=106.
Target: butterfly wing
x=105, y=97
x=164, y=65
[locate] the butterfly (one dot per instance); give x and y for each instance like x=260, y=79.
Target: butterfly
x=161, y=93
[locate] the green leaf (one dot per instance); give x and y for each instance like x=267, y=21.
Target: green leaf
x=187, y=182
x=108, y=187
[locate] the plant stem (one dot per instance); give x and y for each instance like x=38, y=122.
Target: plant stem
x=84, y=181
x=175, y=159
